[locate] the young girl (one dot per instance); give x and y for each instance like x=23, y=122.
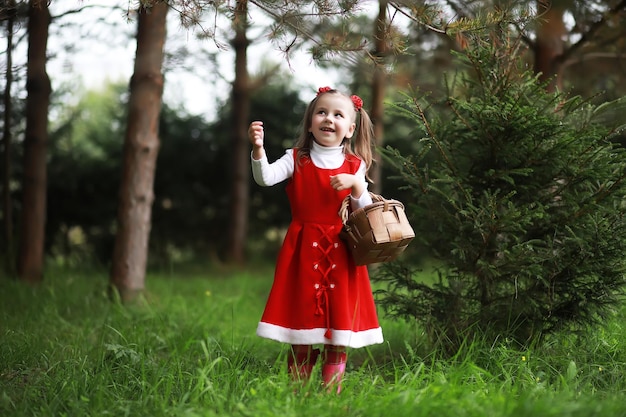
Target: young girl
x=319, y=295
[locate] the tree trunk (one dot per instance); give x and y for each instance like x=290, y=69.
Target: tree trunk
x=549, y=44
x=141, y=146
x=33, y=221
x=241, y=156
x=7, y=143
x=378, y=91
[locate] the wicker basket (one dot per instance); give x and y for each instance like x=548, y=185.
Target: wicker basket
x=375, y=233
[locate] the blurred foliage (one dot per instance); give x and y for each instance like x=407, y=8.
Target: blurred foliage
x=83, y=174
x=190, y=211
x=193, y=178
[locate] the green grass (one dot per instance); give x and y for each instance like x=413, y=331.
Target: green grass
x=190, y=350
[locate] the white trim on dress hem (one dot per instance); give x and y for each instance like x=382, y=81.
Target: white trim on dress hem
x=316, y=336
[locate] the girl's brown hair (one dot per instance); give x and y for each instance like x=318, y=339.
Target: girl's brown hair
x=363, y=135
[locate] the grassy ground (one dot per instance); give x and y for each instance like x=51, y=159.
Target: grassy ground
x=190, y=350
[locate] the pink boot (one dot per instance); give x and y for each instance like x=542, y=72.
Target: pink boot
x=334, y=367
x=301, y=361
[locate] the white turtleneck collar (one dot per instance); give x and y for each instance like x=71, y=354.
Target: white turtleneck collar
x=327, y=157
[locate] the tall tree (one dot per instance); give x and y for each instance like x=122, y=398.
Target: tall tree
x=141, y=146
x=549, y=42
x=31, y=255
x=381, y=30
x=7, y=206
x=240, y=115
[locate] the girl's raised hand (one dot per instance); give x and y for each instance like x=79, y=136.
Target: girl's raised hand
x=256, y=134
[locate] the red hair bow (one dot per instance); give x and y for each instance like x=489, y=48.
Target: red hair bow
x=358, y=102
x=322, y=90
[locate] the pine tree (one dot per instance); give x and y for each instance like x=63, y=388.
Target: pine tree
x=518, y=198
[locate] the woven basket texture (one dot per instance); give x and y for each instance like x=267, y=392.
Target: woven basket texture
x=376, y=233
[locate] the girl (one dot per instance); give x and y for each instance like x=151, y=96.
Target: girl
x=319, y=295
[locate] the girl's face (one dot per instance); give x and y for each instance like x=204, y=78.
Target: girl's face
x=332, y=120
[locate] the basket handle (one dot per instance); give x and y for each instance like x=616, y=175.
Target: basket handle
x=344, y=210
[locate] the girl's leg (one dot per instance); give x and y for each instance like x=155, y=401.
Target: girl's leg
x=335, y=358
x=301, y=360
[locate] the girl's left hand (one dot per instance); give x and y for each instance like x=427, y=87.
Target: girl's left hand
x=342, y=181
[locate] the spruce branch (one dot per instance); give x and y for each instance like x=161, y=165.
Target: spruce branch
x=432, y=134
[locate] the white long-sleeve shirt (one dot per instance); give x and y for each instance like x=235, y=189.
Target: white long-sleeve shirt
x=266, y=174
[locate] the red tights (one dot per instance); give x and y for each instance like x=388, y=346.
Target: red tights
x=302, y=359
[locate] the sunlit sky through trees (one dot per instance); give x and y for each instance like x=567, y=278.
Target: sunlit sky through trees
x=97, y=45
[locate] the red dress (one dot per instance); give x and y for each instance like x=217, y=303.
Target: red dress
x=319, y=296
